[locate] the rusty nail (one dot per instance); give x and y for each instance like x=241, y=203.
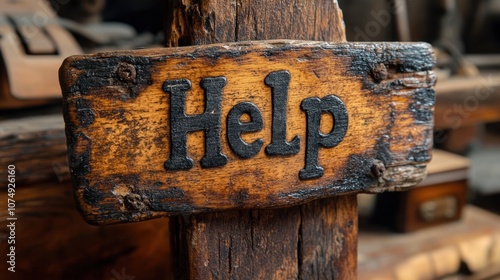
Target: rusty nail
x=378, y=168
x=379, y=72
x=126, y=72
x=134, y=201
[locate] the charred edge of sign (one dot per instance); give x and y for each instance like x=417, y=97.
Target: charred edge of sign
x=79, y=165
x=84, y=197
x=132, y=196
x=114, y=217
x=399, y=58
x=84, y=113
x=383, y=145
x=315, y=51
x=382, y=87
x=422, y=105
x=176, y=208
x=92, y=196
x=215, y=53
x=237, y=50
x=279, y=50
x=422, y=153
x=357, y=177
x=102, y=71
x=79, y=161
x=418, y=155
x=383, y=148
x=99, y=219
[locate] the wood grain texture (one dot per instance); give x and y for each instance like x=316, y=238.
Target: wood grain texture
x=119, y=135
x=36, y=146
x=284, y=243
x=192, y=22
x=54, y=242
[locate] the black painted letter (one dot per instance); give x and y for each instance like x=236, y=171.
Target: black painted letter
x=314, y=107
x=235, y=128
x=181, y=124
x=279, y=81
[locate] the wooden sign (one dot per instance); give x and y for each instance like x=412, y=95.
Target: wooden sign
x=252, y=125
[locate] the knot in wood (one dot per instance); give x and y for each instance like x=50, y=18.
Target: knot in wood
x=378, y=168
x=379, y=72
x=126, y=72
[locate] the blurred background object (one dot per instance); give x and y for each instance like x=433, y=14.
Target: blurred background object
x=36, y=36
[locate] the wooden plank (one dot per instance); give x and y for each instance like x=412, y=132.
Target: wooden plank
x=244, y=244
x=462, y=102
x=36, y=145
x=120, y=123
x=53, y=241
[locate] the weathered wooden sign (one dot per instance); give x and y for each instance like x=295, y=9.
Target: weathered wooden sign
x=244, y=125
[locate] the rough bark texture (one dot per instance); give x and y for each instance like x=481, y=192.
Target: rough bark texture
x=314, y=241
x=193, y=22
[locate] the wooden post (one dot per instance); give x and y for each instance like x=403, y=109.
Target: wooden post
x=314, y=241
x=265, y=182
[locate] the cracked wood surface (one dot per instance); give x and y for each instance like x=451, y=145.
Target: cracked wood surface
x=119, y=135
x=316, y=240
x=192, y=22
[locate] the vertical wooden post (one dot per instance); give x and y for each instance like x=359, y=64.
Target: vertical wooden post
x=312, y=241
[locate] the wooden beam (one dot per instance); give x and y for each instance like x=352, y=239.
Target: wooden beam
x=204, y=22
x=316, y=240
x=37, y=146
x=462, y=102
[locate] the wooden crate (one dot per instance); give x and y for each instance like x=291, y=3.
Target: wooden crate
x=438, y=199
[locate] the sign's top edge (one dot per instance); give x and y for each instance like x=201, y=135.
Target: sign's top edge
x=265, y=45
